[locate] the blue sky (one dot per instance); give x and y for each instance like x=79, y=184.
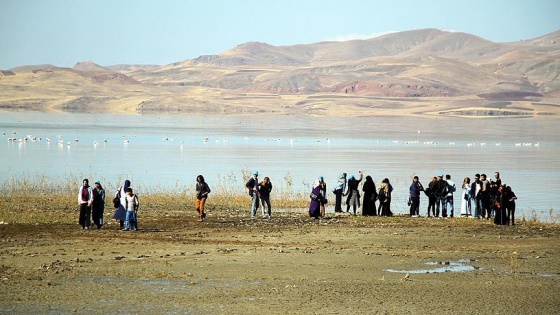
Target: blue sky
x=108, y=32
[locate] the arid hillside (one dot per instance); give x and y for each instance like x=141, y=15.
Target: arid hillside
x=407, y=73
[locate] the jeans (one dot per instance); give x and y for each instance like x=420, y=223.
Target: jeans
x=449, y=206
x=131, y=221
x=266, y=200
x=441, y=202
x=254, y=205
x=477, y=207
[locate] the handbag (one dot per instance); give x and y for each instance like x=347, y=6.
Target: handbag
x=116, y=202
x=467, y=196
x=313, y=196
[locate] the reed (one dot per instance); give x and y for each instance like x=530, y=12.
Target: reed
x=37, y=198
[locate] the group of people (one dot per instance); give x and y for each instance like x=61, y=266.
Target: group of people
x=348, y=186
x=92, y=204
x=91, y=201
x=491, y=198
x=259, y=191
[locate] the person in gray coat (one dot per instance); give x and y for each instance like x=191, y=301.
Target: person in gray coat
x=353, y=198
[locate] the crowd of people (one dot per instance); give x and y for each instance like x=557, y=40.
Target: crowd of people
x=481, y=198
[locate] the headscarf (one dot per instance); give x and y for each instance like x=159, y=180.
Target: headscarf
x=316, y=183
x=342, y=178
x=126, y=185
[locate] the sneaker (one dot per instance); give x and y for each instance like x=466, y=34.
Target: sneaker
x=125, y=229
x=135, y=229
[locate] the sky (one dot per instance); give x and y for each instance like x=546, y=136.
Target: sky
x=110, y=32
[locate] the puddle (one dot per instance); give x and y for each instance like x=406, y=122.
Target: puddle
x=440, y=267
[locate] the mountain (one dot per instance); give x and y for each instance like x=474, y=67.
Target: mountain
x=427, y=71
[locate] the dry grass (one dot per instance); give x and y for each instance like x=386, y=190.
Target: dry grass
x=38, y=199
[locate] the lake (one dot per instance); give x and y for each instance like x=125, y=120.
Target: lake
x=169, y=151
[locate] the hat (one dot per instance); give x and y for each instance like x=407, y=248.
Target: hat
x=97, y=182
x=440, y=175
x=320, y=177
x=255, y=173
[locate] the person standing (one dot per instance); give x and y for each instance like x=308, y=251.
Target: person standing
x=323, y=191
x=98, y=204
x=370, y=196
x=385, y=190
x=440, y=191
x=414, y=195
x=432, y=199
x=509, y=201
x=476, y=195
x=265, y=187
x=500, y=216
x=316, y=198
x=466, y=197
x=451, y=188
x=495, y=184
x=353, y=198
x=202, y=191
x=339, y=191
x=486, y=197
x=120, y=207
x=131, y=205
x=253, y=186
x=85, y=199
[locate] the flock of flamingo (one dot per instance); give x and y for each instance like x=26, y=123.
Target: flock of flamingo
x=61, y=142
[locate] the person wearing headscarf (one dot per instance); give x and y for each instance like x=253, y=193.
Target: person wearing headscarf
x=316, y=199
x=98, y=205
x=370, y=196
x=323, y=191
x=85, y=198
x=252, y=186
x=339, y=191
x=120, y=210
x=353, y=198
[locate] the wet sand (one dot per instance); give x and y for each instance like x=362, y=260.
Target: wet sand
x=290, y=264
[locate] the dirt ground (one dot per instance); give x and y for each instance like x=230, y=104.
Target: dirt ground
x=289, y=265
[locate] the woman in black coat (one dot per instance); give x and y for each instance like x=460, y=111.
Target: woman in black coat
x=370, y=196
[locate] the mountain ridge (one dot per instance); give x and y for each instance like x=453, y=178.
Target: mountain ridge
x=416, y=70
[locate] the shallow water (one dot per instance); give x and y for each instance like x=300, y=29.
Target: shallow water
x=169, y=151
x=438, y=267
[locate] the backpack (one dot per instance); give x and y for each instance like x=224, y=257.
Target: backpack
x=382, y=195
x=451, y=188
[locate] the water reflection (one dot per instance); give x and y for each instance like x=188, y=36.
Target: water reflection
x=440, y=267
